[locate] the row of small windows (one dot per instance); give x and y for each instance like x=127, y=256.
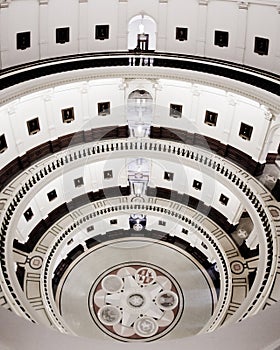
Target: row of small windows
x=62, y=36
x=197, y=185
x=33, y=125
x=68, y=115
x=221, y=39
x=245, y=131
x=52, y=195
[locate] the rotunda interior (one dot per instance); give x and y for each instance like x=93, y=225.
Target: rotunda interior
x=140, y=170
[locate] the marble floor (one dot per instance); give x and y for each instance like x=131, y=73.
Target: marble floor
x=136, y=289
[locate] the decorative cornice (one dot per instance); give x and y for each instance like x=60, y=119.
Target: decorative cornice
x=203, y=2
x=43, y=2
x=4, y=3
x=243, y=5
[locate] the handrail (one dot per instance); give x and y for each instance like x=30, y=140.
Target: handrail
x=246, y=74
x=217, y=164
x=142, y=207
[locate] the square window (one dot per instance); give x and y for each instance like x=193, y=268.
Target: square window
x=33, y=126
x=175, y=111
x=261, y=46
x=3, y=144
x=162, y=223
x=23, y=40
x=108, y=174
x=181, y=33
x=28, y=214
x=103, y=108
x=90, y=228
x=245, y=131
x=211, y=118
x=113, y=221
x=52, y=195
x=224, y=199
x=79, y=182
x=168, y=176
x=102, y=32
x=221, y=38
x=62, y=35
x=197, y=185
x=67, y=115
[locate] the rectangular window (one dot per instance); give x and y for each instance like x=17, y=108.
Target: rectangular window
x=175, y=111
x=245, y=131
x=33, y=126
x=113, y=221
x=62, y=35
x=162, y=223
x=28, y=214
x=3, y=144
x=108, y=174
x=211, y=118
x=79, y=182
x=197, y=185
x=90, y=228
x=224, y=199
x=221, y=38
x=102, y=32
x=261, y=46
x=23, y=40
x=52, y=195
x=181, y=33
x=67, y=115
x=168, y=176
x=103, y=108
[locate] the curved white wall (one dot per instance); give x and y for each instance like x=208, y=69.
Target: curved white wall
x=202, y=18
x=84, y=97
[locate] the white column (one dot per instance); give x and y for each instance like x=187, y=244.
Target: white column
x=122, y=25
x=16, y=136
x=157, y=112
x=192, y=127
x=43, y=28
x=122, y=109
x=85, y=106
x=237, y=215
x=83, y=26
x=202, y=27
x=241, y=31
x=49, y=110
x=162, y=26
x=252, y=241
x=230, y=118
x=4, y=34
x=263, y=145
x=277, y=43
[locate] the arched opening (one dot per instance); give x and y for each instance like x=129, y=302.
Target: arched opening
x=139, y=112
x=142, y=33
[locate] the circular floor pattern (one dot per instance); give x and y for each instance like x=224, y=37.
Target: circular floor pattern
x=136, y=289
x=136, y=302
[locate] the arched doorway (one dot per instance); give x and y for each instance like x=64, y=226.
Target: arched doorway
x=139, y=112
x=142, y=33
